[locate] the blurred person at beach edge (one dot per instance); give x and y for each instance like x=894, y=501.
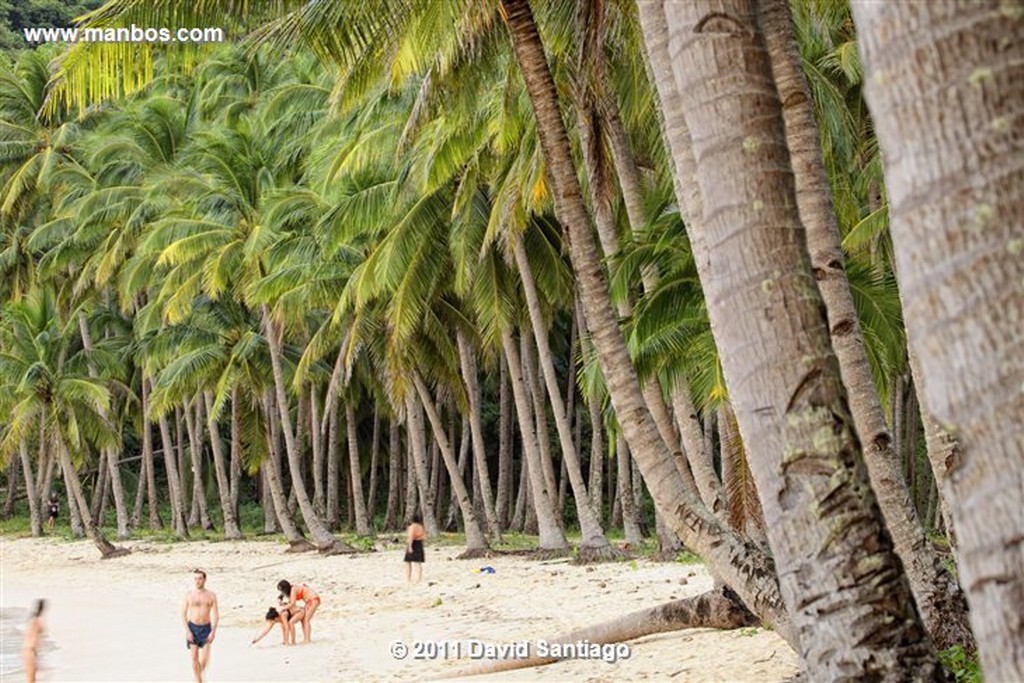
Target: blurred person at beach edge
x=33, y=636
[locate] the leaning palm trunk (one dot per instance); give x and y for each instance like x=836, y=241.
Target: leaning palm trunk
x=944, y=85
x=551, y=535
x=363, y=527
x=467, y=362
x=750, y=572
x=322, y=536
x=476, y=541
x=112, y=454
x=594, y=546
x=604, y=220
x=272, y=472
x=706, y=480
x=34, y=516
x=719, y=609
x=106, y=548
x=938, y=596
x=527, y=350
x=823, y=522
x=231, y=530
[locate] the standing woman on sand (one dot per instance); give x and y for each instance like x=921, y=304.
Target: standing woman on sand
x=310, y=601
x=414, y=548
x=33, y=637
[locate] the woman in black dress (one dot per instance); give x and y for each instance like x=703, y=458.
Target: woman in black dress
x=414, y=548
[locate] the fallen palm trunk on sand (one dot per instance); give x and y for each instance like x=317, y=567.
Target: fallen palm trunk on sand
x=718, y=608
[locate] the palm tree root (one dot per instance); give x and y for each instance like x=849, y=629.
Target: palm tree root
x=110, y=551
x=593, y=554
x=337, y=548
x=475, y=553
x=718, y=608
x=301, y=546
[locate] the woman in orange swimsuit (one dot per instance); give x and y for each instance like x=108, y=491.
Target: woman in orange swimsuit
x=310, y=600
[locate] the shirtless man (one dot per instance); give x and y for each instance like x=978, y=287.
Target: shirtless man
x=200, y=615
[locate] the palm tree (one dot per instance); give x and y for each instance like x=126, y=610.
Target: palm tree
x=44, y=384
x=937, y=595
x=786, y=390
x=684, y=511
x=957, y=230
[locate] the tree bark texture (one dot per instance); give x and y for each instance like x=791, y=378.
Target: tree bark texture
x=841, y=580
x=945, y=85
x=938, y=596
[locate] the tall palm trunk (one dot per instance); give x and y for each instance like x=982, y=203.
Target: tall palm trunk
x=596, y=456
x=371, y=494
x=271, y=470
x=34, y=516
x=333, y=505
x=112, y=454
x=177, y=496
x=148, y=463
x=476, y=541
x=394, y=476
x=594, y=545
x=551, y=535
x=624, y=492
x=236, y=448
x=363, y=527
x=231, y=530
x=943, y=82
x=540, y=416
x=316, y=441
x=198, y=513
x=938, y=596
x=467, y=363
x=823, y=522
x=417, y=473
x=322, y=536
x=503, y=502
x=600, y=192
x=750, y=572
x=605, y=113
x=106, y=548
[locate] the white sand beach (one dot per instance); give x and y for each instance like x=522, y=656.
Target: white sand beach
x=119, y=620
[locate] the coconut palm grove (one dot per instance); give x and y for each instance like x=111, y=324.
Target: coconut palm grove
x=743, y=278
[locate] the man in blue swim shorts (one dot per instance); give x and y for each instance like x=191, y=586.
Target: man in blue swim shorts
x=200, y=616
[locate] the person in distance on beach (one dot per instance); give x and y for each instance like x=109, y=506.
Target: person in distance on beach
x=416, y=534
x=52, y=510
